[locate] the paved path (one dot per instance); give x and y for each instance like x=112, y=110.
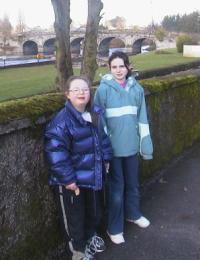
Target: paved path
x=172, y=203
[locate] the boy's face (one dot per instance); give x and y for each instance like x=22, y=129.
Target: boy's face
x=78, y=94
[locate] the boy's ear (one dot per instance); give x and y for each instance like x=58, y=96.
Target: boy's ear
x=66, y=93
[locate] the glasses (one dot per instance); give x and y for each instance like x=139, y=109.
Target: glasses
x=79, y=90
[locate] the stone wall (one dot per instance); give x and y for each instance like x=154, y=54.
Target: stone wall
x=28, y=219
x=173, y=106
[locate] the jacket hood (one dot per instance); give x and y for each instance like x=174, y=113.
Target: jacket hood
x=108, y=79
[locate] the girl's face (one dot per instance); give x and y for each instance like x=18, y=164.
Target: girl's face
x=118, y=70
x=78, y=94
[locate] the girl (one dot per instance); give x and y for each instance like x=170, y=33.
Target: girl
x=76, y=147
x=127, y=126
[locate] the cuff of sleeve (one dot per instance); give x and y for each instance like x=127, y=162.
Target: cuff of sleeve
x=147, y=157
x=107, y=158
x=70, y=182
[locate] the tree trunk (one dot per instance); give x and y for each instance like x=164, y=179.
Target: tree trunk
x=62, y=29
x=89, y=63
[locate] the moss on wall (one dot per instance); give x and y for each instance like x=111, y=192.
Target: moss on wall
x=31, y=107
x=156, y=85
x=174, y=106
x=40, y=105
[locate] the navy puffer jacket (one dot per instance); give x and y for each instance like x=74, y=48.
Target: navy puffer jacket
x=75, y=149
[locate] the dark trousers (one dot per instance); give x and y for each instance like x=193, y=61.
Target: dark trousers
x=79, y=215
x=123, y=194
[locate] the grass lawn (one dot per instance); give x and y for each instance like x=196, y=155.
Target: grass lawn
x=152, y=60
x=21, y=82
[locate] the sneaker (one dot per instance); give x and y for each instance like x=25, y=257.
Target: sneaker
x=89, y=253
x=141, y=222
x=77, y=255
x=117, y=239
x=95, y=245
x=88, y=256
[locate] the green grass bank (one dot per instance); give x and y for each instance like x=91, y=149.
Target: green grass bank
x=28, y=81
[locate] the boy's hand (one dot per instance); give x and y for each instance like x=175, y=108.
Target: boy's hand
x=73, y=187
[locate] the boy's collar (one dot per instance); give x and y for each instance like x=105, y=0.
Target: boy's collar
x=76, y=113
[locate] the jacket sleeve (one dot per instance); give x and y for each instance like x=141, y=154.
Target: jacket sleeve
x=105, y=142
x=100, y=100
x=57, y=153
x=100, y=96
x=146, y=146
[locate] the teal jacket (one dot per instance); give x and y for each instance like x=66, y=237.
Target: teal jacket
x=125, y=117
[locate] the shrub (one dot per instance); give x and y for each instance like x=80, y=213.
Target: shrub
x=181, y=40
x=160, y=34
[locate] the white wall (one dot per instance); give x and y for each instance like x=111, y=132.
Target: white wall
x=191, y=50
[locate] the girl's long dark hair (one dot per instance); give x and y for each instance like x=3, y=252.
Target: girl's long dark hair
x=124, y=57
x=89, y=106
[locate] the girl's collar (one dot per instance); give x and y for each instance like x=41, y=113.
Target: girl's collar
x=129, y=82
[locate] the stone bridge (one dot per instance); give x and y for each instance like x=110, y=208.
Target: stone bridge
x=127, y=40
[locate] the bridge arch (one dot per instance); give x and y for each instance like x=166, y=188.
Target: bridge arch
x=137, y=45
x=150, y=42
x=49, y=46
x=77, y=46
x=30, y=48
x=108, y=44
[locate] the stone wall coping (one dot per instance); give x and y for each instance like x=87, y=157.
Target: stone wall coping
x=37, y=110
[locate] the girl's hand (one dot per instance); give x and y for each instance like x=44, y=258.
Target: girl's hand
x=107, y=166
x=71, y=186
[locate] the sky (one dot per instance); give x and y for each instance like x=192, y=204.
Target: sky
x=140, y=12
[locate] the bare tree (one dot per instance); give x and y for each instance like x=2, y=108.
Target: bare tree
x=62, y=29
x=89, y=63
x=6, y=32
x=117, y=23
x=21, y=26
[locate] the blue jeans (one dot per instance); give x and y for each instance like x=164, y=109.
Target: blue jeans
x=123, y=194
